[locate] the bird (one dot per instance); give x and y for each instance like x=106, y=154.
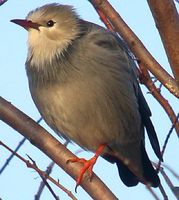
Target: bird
x=82, y=79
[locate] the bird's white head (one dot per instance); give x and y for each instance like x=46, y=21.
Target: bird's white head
x=51, y=29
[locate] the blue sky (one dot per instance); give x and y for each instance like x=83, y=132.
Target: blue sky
x=19, y=182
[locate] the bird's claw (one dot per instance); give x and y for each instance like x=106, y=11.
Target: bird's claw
x=87, y=166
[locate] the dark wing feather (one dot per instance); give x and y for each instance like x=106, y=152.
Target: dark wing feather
x=145, y=117
x=143, y=106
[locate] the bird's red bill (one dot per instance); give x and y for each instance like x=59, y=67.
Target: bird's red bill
x=26, y=23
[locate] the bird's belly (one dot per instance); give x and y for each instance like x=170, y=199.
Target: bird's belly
x=72, y=119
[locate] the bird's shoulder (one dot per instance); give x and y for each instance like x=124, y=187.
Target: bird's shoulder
x=101, y=36
x=103, y=44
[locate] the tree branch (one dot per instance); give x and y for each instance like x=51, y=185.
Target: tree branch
x=39, y=137
x=168, y=181
x=145, y=78
x=42, y=184
x=167, y=22
x=136, y=45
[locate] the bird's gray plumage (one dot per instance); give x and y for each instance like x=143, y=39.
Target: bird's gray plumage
x=82, y=80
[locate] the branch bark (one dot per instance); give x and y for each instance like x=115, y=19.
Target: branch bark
x=136, y=46
x=158, y=96
x=167, y=21
x=39, y=137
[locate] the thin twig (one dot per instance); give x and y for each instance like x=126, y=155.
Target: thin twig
x=164, y=194
x=152, y=192
x=44, y=178
x=169, y=134
x=48, y=171
x=167, y=139
x=174, y=189
x=146, y=80
x=12, y=155
x=168, y=181
x=171, y=171
x=30, y=165
x=42, y=184
x=16, y=150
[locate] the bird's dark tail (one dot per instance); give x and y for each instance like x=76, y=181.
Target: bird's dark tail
x=149, y=174
x=129, y=178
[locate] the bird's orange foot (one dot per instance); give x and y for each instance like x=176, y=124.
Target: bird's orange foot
x=87, y=164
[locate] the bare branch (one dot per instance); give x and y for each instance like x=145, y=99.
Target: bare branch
x=16, y=150
x=167, y=22
x=165, y=197
x=12, y=155
x=169, y=183
x=173, y=188
x=171, y=171
x=167, y=139
x=168, y=135
x=145, y=78
x=44, y=179
x=30, y=165
x=42, y=184
x=48, y=171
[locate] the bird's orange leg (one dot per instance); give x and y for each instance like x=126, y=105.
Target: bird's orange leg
x=88, y=164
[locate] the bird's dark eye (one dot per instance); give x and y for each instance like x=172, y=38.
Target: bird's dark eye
x=50, y=23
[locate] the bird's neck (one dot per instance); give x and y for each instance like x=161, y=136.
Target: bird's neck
x=49, y=69
x=42, y=50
